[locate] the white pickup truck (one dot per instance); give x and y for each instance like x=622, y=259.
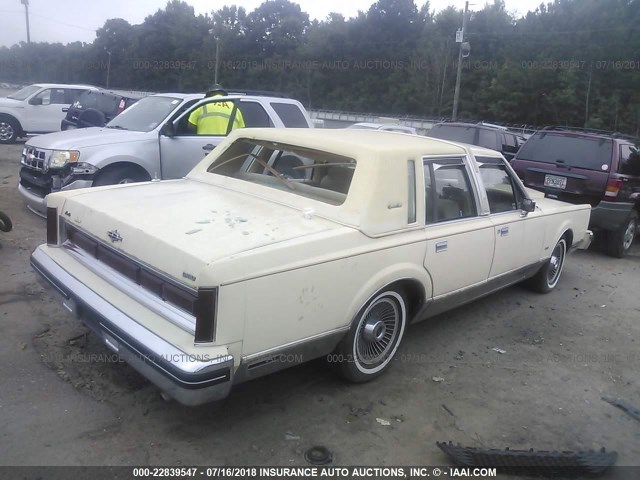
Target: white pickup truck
x=151, y=139
x=36, y=109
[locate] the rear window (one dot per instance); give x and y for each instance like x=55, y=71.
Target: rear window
x=309, y=173
x=103, y=102
x=290, y=115
x=454, y=133
x=579, y=152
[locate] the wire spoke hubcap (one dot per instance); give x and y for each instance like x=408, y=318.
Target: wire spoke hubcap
x=378, y=331
x=557, y=258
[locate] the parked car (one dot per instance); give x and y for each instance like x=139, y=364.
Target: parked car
x=386, y=127
x=36, y=109
x=495, y=137
x=151, y=139
x=95, y=108
x=239, y=270
x=587, y=166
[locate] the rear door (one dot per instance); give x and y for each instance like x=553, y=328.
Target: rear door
x=460, y=242
x=629, y=173
x=566, y=166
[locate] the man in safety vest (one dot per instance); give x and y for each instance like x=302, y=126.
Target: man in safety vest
x=213, y=118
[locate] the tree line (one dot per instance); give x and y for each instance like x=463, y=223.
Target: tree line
x=569, y=62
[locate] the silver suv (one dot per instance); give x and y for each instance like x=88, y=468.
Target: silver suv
x=151, y=139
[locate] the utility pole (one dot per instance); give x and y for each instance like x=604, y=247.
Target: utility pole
x=460, y=39
x=26, y=12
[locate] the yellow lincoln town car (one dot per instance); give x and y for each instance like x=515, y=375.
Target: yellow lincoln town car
x=286, y=245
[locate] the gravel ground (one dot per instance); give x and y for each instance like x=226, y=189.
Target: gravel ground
x=66, y=401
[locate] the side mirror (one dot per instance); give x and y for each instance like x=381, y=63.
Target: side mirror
x=509, y=148
x=168, y=130
x=35, y=101
x=528, y=205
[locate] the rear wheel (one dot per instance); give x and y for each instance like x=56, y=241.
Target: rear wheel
x=119, y=175
x=548, y=276
x=619, y=241
x=374, y=337
x=9, y=129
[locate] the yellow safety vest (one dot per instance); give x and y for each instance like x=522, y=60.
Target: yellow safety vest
x=213, y=118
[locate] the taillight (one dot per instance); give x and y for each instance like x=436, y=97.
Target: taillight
x=613, y=187
x=52, y=226
x=206, y=315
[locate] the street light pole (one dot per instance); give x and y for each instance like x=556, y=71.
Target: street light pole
x=456, y=95
x=26, y=12
x=215, y=78
x=108, y=67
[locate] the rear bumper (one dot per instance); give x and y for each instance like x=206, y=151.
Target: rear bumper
x=610, y=215
x=188, y=378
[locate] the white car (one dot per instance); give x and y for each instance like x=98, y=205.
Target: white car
x=35, y=109
x=385, y=127
x=239, y=270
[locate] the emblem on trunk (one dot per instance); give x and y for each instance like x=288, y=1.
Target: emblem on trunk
x=114, y=236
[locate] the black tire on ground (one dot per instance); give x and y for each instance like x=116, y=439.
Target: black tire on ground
x=374, y=337
x=9, y=129
x=548, y=276
x=5, y=223
x=619, y=241
x=118, y=175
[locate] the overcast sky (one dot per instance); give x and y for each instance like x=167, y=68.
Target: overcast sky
x=77, y=20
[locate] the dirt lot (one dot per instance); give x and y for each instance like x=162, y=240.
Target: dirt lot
x=66, y=401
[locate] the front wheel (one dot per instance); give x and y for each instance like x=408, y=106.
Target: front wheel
x=5, y=223
x=120, y=175
x=374, y=337
x=548, y=276
x=619, y=241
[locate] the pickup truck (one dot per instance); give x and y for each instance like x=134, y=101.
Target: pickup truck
x=36, y=109
x=242, y=268
x=152, y=139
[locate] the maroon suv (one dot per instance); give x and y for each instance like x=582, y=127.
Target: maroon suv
x=588, y=166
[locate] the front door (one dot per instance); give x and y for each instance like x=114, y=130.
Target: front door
x=518, y=236
x=201, y=128
x=46, y=115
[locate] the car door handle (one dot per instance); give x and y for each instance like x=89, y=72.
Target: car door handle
x=208, y=147
x=441, y=246
x=504, y=231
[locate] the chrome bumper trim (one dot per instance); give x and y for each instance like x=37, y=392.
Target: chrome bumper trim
x=586, y=241
x=188, y=378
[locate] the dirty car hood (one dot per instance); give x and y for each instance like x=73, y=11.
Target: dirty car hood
x=180, y=226
x=85, y=137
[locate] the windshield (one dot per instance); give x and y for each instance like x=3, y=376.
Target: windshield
x=580, y=152
x=146, y=114
x=309, y=173
x=454, y=133
x=24, y=93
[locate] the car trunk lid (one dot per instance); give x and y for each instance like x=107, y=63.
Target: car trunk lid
x=180, y=226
